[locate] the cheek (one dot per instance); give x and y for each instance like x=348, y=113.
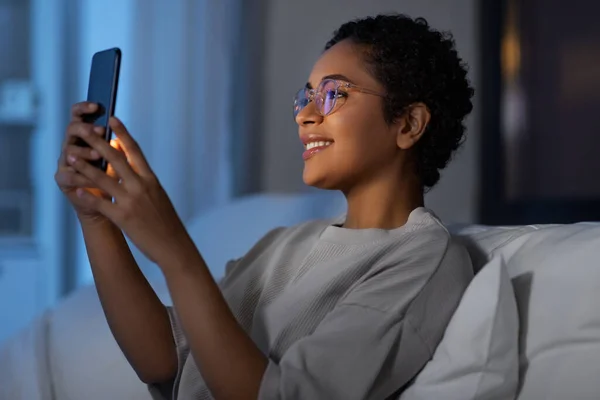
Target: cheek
x=361, y=134
x=361, y=146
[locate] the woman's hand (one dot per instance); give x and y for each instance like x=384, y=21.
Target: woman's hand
x=66, y=177
x=141, y=207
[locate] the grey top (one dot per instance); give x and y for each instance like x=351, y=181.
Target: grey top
x=340, y=313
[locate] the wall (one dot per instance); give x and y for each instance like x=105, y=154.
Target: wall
x=295, y=35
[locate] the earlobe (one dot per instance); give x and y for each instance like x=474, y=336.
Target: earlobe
x=412, y=124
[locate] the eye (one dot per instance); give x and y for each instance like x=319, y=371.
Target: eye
x=329, y=90
x=330, y=94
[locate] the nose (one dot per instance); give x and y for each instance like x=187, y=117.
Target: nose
x=309, y=115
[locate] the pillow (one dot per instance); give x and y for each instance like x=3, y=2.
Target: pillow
x=23, y=362
x=478, y=355
x=556, y=277
x=556, y=280
x=84, y=359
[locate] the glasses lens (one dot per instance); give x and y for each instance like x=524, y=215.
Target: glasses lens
x=300, y=101
x=327, y=96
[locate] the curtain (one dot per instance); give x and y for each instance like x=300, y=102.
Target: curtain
x=175, y=93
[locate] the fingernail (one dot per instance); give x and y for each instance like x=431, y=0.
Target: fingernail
x=99, y=129
x=71, y=159
x=92, y=106
x=94, y=154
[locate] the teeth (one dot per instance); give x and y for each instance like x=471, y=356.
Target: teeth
x=312, y=145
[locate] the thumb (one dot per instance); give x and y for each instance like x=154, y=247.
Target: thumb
x=115, y=143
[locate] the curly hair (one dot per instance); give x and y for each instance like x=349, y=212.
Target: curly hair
x=416, y=63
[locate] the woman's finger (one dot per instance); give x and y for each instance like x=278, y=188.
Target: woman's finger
x=116, y=144
x=77, y=132
x=132, y=149
x=68, y=178
x=75, y=136
x=103, y=205
x=80, y=110
x=78, y=113
x=82, y=130
x=98, y=177
x=110, y=171
x=115, y=158
x=87, y=153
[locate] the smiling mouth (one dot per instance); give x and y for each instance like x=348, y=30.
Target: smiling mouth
x=313, y=148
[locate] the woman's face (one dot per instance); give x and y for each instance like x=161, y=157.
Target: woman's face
x=362, y=145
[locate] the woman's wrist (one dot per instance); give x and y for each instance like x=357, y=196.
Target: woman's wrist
x=93, y=220
x=183, y=257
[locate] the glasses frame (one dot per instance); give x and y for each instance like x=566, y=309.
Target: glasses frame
x=310, y=94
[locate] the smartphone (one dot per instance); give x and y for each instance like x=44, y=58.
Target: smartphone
x=102, y=90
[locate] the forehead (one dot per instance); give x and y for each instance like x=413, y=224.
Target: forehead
x=345, y=59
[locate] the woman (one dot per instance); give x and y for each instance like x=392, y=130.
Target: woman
x=348, y=309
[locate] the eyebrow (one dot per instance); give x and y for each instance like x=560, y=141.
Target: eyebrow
x=337, y=77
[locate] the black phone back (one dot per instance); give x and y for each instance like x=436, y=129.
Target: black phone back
x=102, y=90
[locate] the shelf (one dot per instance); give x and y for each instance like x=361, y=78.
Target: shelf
x=17, y=247
x=11, y=120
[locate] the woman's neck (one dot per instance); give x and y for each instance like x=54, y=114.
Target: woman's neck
x=382, y=204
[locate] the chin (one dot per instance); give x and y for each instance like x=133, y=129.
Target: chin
x=320, y=180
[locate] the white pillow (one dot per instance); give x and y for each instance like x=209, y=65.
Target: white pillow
x=23, y=364
x=556, y=276
x=478, y=355
x=84, y=359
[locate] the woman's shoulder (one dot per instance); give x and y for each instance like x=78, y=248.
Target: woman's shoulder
x=433, y=239
x=453, y=249
x=296, y=238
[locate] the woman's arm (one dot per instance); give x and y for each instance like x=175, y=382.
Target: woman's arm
x=356, y=352
x=230, y=363
x=369, y=346
x=137, y=318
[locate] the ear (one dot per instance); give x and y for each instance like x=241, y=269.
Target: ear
x=412, y=125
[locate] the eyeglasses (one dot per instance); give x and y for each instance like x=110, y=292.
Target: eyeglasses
x=327, y=95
